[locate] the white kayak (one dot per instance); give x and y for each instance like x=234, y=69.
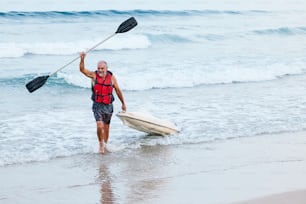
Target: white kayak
x=147, y=123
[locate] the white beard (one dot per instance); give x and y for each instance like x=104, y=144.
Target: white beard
x=101, y=74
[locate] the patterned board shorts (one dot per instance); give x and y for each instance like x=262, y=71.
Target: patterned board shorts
x=102, y=112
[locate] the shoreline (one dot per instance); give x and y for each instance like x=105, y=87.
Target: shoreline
x=244, y=171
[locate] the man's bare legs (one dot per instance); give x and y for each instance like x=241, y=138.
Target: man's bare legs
x=102, y=133
x=106, y=132
x=100, y=136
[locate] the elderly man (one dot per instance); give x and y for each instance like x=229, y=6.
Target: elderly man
x=103, y=82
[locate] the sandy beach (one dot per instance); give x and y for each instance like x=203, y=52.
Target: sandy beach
x=295, y=197
x=242, y=169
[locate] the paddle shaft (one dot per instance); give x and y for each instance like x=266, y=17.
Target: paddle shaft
x=90, y=49
x=40, y=81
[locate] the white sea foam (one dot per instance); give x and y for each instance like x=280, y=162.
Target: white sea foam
x=222, y=74
x=16, y=50
x=31, y=142
x=41, y=138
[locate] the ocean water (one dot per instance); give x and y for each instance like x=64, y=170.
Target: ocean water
x=219, y=71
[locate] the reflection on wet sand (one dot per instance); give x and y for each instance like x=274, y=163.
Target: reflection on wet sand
x=145, y=181
x=107, y=196
x=137, y=177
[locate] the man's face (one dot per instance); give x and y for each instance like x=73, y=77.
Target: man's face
x=102, y=68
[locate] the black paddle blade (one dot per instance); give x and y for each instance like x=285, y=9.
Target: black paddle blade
x=127, y=25
x=36, y=83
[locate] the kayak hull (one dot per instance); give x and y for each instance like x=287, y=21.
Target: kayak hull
x=147, y=123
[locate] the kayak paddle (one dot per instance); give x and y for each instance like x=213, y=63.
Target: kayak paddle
x=40, y=81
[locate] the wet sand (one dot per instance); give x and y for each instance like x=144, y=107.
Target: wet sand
x=231, y=171
x=295, y=197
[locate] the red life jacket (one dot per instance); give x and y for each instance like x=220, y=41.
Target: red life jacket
x=103, y=89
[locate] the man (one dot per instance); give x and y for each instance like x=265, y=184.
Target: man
x=103, y=82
